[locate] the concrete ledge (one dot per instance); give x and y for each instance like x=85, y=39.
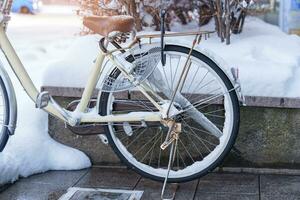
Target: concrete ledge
x=269, y=134
x=254, y=101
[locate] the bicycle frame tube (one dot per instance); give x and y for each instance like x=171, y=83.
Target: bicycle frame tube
x=91, y=84
x=16, y=65
x=53, y=108
x=21, y=72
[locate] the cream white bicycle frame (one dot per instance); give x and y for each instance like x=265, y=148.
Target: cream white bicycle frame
x=80, y=115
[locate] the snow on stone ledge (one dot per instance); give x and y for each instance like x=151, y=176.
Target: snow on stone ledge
x=268, y=60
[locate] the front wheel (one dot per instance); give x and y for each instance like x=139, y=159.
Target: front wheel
x=206, y=93
x=4, y=115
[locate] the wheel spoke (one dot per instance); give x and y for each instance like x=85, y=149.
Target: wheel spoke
x=205, y=119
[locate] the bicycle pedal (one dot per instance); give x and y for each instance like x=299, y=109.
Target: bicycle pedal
x=42, y=100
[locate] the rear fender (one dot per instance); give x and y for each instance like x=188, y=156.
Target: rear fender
x=12, y=100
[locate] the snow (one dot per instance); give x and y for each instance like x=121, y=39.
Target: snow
x=75, y=63
x=58, y=9
x=268, y=59
x=268, y=62
x=113, y=5
x=31, y=150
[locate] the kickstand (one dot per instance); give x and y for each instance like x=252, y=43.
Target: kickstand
x=171, y=159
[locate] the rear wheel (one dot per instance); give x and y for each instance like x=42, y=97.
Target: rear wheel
x=206, y=93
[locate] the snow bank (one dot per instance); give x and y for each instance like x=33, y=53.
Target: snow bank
x=268, y=59
x=31, y=150
x=74, y=65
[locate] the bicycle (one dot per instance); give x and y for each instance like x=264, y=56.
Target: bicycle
x=169, y=111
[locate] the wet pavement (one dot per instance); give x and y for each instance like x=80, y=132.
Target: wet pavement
x=52, y=185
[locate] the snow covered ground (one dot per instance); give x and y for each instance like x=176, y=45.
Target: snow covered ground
x=54, y=55
x=38, y=40
x=268, y=59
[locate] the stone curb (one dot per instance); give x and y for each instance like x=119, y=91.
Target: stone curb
x=253, y=101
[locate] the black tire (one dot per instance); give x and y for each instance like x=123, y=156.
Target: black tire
x=4, y=134
x=235, y=104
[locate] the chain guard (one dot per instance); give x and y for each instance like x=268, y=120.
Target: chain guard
x=85, y=129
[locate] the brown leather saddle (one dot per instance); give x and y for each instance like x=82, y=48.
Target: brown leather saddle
x=104, y=25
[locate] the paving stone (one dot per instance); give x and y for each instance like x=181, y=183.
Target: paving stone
x=152, y=189
x=186, y=190
x=33, y=191
x=225, y=196
x=109, y=178
x=280, y=187
x=228, y=186
x=50, y=185
x=60, y=178
x=214, y=186
x=225, y=183
x=279, y=197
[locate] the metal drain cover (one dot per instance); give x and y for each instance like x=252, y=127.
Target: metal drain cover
x=76, y=193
